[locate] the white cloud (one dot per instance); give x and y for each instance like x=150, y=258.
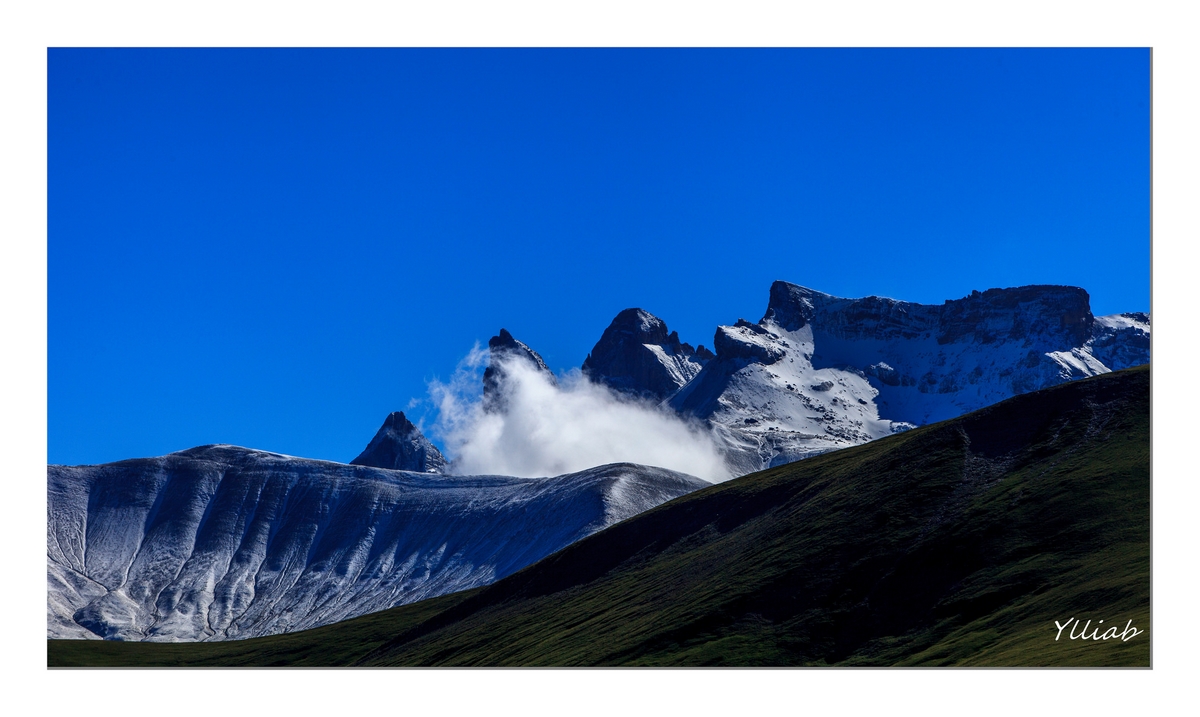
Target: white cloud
x=548, y=430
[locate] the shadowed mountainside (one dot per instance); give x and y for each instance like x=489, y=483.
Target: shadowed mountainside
x=959, y=543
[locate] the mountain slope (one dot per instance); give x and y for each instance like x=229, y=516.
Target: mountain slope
x=220, y=542
x=957, y=543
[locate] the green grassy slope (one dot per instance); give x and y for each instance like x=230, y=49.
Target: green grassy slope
x=342, y=643
x=955, y=544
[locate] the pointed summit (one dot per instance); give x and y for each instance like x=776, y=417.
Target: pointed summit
x=503, y=348
x=637, y=355
x=399, y=445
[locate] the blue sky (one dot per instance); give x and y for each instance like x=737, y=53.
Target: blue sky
x=275, y=248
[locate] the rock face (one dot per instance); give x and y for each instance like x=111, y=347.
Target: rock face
x=636, y=355
x=220, y=542
x=820, y=372
x=1122, y=340
x=501, y=349
x=399, y=445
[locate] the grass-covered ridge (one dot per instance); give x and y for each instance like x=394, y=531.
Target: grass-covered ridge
x=959, y=543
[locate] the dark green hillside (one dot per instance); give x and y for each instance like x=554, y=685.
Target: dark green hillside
x=956, y=544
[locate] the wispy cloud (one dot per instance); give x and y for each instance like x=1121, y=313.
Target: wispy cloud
x=548, y=430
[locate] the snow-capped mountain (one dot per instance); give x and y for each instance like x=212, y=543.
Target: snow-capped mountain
x=819, y=372
x=400, y=446
x=220, y=542
x=637, y=355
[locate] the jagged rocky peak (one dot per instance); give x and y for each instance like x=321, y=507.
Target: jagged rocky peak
x=792, y=306
x=503, y=348
x=637, y=355
x=399, y=445
x=642, y=325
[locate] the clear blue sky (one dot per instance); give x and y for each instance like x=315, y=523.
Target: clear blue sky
x=275, y=248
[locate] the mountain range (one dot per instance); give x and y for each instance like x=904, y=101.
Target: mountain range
x=819, y=372
x=959, y=543
x=220, y=542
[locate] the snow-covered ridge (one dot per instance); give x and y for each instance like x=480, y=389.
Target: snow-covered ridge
x=820, y=372
x=1117, y=322
x=220, y=542
x=1121, y=340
